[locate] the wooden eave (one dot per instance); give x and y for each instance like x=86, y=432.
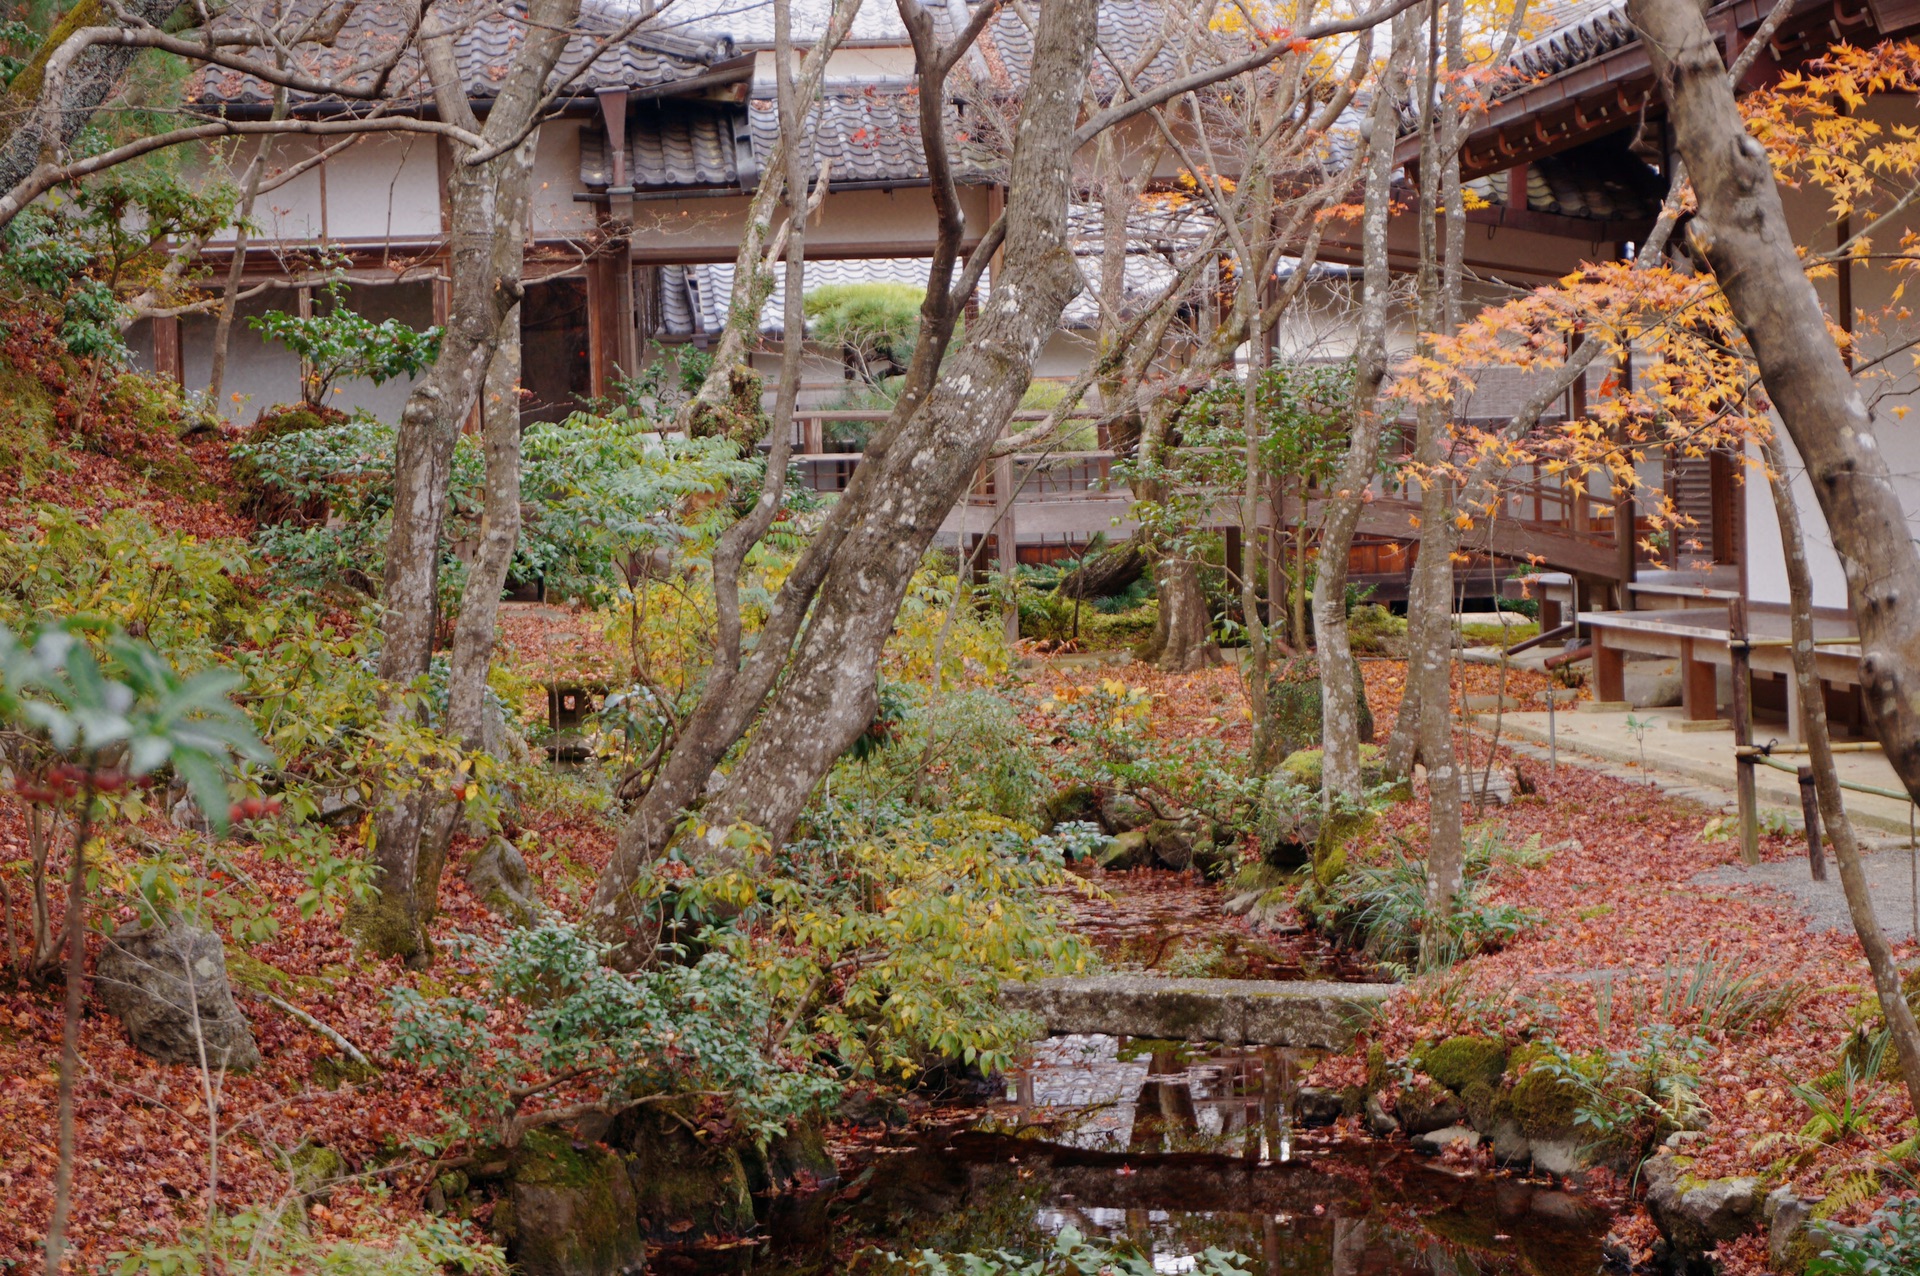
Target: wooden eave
x=1617, y=89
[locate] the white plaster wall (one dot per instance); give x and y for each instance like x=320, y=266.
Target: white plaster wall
x=1890, y=392
x=260, y=374
x=385, y=188
x=556, y=178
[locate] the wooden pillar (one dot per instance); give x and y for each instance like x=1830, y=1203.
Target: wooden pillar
x=1007, y=541
x=1233, y=558
x=1609, y=669
x=1749, y=801
x=1698, y=686
x=167, y=360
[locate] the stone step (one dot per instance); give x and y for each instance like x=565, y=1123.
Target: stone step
x=1308, y=1014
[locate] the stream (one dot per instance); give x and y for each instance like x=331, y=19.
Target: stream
x=1171, y=1148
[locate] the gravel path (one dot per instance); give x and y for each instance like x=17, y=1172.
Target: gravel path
x=1889, y=874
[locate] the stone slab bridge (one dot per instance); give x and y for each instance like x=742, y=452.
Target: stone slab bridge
x=1305, y=1014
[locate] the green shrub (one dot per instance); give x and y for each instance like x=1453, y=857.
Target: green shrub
x=1385, y=907
x=1887, y=1245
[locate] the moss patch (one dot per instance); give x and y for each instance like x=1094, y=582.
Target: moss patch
x=1459, y=1062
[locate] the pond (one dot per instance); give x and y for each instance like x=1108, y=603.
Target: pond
x=1172, y=1149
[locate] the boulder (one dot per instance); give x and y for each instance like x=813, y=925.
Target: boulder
x=1317, y=1105
x=1129, y=850
x=1447, y=1136
x=1172, y=845
x=1379, y=1120
x=1423, y=1111
x=1789, y=1242
x=1458, y=1062
x=796, y=1161
x=167, y=984
x=1123, y=813
x=1077, y=803
x=1558, y=1156
x=685, y=1188
x=1695, y=1215
x=1510, y=1147
x=498, y=877
x=571, y=1210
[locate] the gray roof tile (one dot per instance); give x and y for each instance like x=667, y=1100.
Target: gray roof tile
x=485, y=49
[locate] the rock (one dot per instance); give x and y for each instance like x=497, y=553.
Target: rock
x=572, y=1210
x=1490, y=703
x=1129, y=850
x=1786, y=1216
x=797, y=1160
x=1422, y=1113
x=339, y=807
x=1317, y=1105
x=1171, y=844
x=1379, y=1120
x=1447, y=1136
x=1077, y=803
x=685, y=1189
x=1123, y=813
x=1657, y=689
x=870, y=1108
x=313, y=1169
x=168, y=987
x=1558, y=1156
x=1695, y=1215
x=498, y=877
x=1510, y=1146
x=185, y=815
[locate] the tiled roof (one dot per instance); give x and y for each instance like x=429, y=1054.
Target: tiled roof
x=1584, y=31
x=485, y=48
x=750, y=22
x=694, y=299
x=1129, y=31
x=871, y=132
x=674, y=144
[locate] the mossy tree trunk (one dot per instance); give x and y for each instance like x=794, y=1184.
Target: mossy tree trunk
x=488, y=217
x=1347, y=494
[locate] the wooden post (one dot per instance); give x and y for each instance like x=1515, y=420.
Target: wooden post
x=1810, y=812
x=166, y=349
x=1009, y=546
x=1699, y=692
x=1609, y=669
x=1743, y=730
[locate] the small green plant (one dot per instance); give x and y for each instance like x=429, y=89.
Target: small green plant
x=1839, y=1109
x=1385, y=906
x=1632, y=1096
x=1638, y=726
x=1072, y=1254
x=339, y=342
x=1888, y=1244
x=265, y=1243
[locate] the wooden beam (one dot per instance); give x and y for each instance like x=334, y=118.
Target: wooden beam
x=167, y=360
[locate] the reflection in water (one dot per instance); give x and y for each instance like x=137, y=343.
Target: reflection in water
x=1173, y=1149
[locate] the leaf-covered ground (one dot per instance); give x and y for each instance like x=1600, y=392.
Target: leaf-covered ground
x=1616, y=893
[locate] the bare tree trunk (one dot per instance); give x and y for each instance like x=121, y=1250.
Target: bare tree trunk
x=473, y=632
x=1339, y=712
x=817, y=715
x=1833, y=810
x=237, y=268
x=488, y=217
x=1181, y=640
x=857, y=568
